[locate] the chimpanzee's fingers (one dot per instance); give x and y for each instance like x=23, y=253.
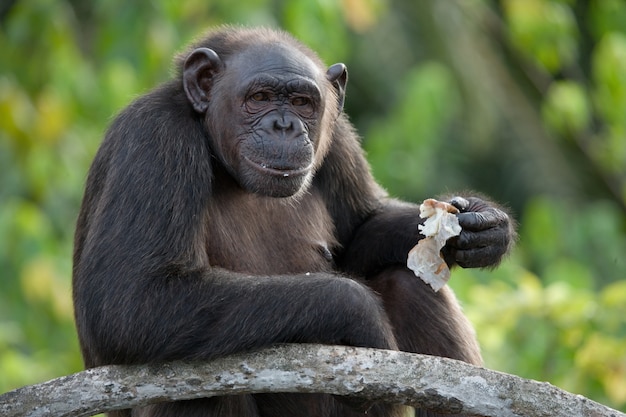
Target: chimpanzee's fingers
x=460, y=203
x=477, y=221
x=479, y=257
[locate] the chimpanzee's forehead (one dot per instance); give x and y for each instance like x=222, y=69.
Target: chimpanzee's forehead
x=275, y=59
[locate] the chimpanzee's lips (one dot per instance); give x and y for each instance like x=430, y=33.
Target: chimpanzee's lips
x=278, y=171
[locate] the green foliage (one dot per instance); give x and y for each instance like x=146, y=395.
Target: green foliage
x=566, y=108
x=411, y=136
x=544, y=30
x=560, y=332
x=534, y=81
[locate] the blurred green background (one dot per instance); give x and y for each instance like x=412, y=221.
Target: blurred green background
x=524, y=100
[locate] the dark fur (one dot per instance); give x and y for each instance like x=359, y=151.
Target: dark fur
x=175, y=260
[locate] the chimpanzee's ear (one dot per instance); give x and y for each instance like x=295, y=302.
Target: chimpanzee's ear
x=199, y=69
x=338, y=75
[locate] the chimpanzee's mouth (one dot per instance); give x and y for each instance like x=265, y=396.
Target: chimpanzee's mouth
x=278, y=171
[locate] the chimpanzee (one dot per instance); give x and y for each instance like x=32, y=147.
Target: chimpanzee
x=232, y=208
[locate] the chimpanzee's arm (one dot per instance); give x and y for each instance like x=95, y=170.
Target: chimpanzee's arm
x=387, y=236
x=377, y=231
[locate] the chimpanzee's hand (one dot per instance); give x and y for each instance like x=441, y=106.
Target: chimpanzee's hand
x=487, y=234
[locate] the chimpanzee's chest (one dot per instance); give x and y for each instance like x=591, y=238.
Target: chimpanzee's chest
x=259, y=235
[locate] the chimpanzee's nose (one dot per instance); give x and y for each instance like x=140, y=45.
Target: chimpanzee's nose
x=283, y=123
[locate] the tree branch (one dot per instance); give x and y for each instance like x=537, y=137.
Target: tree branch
x=422, y=381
